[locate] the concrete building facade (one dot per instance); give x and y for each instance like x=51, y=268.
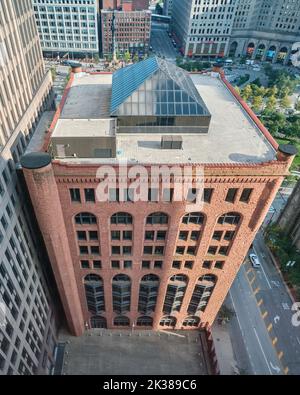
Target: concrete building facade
x=258, y=29
x=68, y=27
x=28, y=326
x=265, y=30
x=168, y=7
x=151, y=263
x=289, y=219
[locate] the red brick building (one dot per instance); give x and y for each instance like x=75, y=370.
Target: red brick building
x=152, y=264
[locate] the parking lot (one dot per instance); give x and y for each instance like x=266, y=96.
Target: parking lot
x=102, y=351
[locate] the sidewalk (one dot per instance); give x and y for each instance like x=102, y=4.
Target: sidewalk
x=224, y=350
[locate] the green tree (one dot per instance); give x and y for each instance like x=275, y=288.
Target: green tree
x=127, y=56
x=271, y=103
x=297, y=105
x=257, y=103
x=285, y=102
x=247, y=92
x=53, y=73
x=96, y=58
x=136, y=58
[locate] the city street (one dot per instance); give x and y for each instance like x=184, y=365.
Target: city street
x=265, y=340
x=162, y=43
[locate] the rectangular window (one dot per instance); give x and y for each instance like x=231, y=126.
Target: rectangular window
x=83, y=250
x=85, y=264
x=212, y=250
x=149, y=235
x=127, y=250
x=127, y=264
x=191, y=250
x=176, y=264
x=158, y=264
x=217, y=235
x=114, y=195
x=207, y=264
x=223, y=250
x=189, y=264
x=97, y=265
x=195, y=235
x=148, y=250
x=115, y=264
x=153, y=194
x=81, y=235
x=115, y=250
x=179, y=250
x=127, y=235
x=183, y=235
x=146, y=264
x=219, y=265
x=207, y=194
x=192, y=195
x=115, y=235
x=93, y=234
x=168, y=194
x=75, y=195
x=231, y=195
x=159, y=250
x=95, y=250
x=89, y=194
x=246, y=194
x=229, y=235
x=161, y=235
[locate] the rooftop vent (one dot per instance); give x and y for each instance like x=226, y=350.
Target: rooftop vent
x=171, y=142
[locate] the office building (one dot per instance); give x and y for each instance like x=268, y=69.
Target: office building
x=28, y=325
x=68, y=27
x=158, y=262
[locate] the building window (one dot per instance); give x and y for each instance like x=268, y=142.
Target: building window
x=223, y=250
x=97, y=265
x=85, y=219
x=115, y=235
x=158, y=264
x=147, y=250
x=179, y=250
x=149, y=235
x=127, y=250
x=219, y=265
x=85, y=264
x=212, y=250
x=217, y=235
x=93, y=235
x=202, y=293
x=168, y=321
x=246, y=194
x=157, y=218
x=159, y=250
x=175, y=293
x=195, y=235
x=116, y=250
x=189, y=264
x=161, y=235
x=193, y=218
x=231, y=195
x=75, y=195
x=176, y=264
x=94, y=292
x=127, y=235
x=229, y=218
x=191, y=321
x=89, y=195
x=148, y=293
x=115, y=264
x=121, y=321
x=207, y=195
x=83, y=250
x=229, y=235
x=121, y=218
x=98, y=322
x=81, y=235
x=207, y=264
x=95, y=250
x=183, y=235
x=146, y=264
x=121, y=291
x=127, y=264
x=144, y=321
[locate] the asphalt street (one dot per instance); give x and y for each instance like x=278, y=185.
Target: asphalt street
x=162, y=43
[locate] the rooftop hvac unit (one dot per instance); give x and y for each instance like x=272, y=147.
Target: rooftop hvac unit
x=171, y=142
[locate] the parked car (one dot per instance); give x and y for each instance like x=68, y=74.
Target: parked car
x=254, y=260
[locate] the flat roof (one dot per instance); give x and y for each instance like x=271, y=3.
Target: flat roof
x=233, y=137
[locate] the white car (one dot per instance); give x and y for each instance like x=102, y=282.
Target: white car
x=255, y=261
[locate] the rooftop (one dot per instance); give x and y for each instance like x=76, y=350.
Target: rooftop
x=233, y=137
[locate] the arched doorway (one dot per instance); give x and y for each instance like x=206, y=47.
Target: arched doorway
x=98, y=322
x=250, y=49
x=282, y=54
x=260, y=51
x=271, y=53
x=232, y=49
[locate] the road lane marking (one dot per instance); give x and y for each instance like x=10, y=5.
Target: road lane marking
x=260, y=302
x=262, y=350
x=276, y=368
x=276, y=319
x=172, y=333
x=280, y=354
x=252, y=281
x=269, y=327
x=264, y=314
x=249, y=270
x=269, y=285
x=257, y=290
x=274, y=341
x=286, y=370
x=285, y=306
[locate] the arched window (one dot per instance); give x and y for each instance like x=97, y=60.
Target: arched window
x=191, y=321
x=148, y=293
x=157, y=218
x=202, y=293
x=85, y=219
x=121, y=321
x=144, y=321
x=94, y=292
x=229, y=218
x=175, y=293
x=121, y=218
x=98, y=322
x=193, y=218
x=168, y=321
x=121, y=292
